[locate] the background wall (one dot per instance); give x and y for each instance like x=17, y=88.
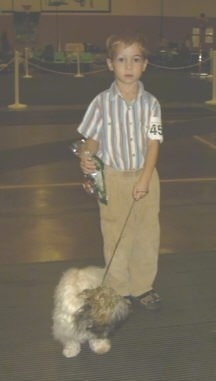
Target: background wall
x=173, y=19
x=185, y=8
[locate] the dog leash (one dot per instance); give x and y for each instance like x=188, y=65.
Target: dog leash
x=118, y=240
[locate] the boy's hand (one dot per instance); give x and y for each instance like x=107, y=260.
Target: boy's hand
x=87, y=164
x=140, y=190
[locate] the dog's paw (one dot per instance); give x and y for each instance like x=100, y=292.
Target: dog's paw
x=100, y=346
x=71, y=350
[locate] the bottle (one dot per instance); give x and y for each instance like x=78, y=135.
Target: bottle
x=93, y=183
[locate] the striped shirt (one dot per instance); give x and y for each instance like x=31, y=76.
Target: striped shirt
x=122, y=129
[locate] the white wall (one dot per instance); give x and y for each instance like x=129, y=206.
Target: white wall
x=189, y=8
x=181, y=8
x=136, y=7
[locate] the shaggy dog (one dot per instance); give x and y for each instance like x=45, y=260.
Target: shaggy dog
x=86, y=311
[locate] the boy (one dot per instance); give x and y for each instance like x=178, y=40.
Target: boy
x=122, y=126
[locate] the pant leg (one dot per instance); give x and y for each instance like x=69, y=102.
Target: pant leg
x=134, y=264
x=143, y=262
x=112, y=218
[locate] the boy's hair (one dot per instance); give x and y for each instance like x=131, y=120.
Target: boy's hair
x=127, y=39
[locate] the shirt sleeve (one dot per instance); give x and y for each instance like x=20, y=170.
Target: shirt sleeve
x=90, y=126
x=155, y=129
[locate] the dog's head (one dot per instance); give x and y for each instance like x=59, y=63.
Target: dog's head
x=103, y=311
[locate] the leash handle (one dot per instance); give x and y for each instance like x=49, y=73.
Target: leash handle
x=118, y=241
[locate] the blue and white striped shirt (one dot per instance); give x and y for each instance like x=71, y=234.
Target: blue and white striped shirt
x=122, y=129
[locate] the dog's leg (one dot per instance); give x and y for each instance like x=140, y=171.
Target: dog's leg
x=100, y=346
x=71, y=349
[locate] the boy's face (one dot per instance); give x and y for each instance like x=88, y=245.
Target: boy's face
x=128, y=63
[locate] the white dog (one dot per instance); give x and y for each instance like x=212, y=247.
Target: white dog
x=86, y=311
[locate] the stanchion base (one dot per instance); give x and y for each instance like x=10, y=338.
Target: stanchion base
x=27, y=76
x=200, y=75
x=17, y=106
x=210, y=77
x=79, y=76
x=211, y=102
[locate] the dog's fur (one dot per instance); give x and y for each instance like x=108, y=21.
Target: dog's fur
x=86, y=311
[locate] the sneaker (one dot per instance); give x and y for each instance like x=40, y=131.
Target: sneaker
x=150, y=300
x=129, y=298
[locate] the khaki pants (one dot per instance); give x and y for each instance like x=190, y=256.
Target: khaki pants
x=134, y=265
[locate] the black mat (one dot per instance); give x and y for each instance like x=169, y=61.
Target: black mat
x=54, y=99
x=176, y=344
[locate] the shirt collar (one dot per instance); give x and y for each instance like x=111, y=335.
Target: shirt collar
x=114, y=91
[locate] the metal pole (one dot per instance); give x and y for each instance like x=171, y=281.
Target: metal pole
x=16, y=105
x=27, y=75
x=78, y=74
x=213, y=100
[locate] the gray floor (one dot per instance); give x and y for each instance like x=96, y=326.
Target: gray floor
x=178, y=343
x=48, y=223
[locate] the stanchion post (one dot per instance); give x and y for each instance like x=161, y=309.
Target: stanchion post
x=200, y=58
x=16, y=105
x=26, y=63
x=213, y=100
x=78, y=73
x=211, y=51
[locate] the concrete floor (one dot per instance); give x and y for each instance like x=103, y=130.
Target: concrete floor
x=46, y=216
x=48, y=223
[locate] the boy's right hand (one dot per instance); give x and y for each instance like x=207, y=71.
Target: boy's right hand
x=87, y=164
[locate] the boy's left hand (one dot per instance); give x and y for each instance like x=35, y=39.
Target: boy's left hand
x=140, y=190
